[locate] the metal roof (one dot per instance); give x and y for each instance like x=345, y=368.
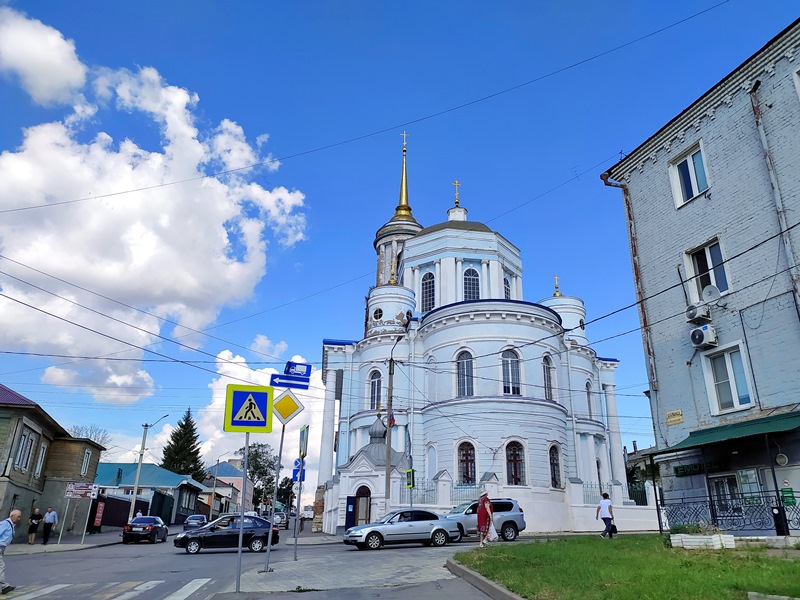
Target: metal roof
x=124, y=475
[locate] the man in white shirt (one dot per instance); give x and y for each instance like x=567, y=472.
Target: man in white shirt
x=6, y=537
x=50, y=521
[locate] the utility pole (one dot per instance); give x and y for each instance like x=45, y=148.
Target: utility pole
x=389, y=415
x=139, y=468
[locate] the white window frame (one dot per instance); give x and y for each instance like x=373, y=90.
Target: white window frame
x=465, y=374
x=675, y=179
x=511, y=372
x=548, y=378
x=27, y=441
x=428, y=292
x=474, y=286
x=87, y=456
x=375, y=385
x=711, y=384
x=696, y=287
x=40, y=460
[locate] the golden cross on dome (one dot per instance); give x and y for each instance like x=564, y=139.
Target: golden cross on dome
x=557, y=293
x=405, y=135
x=457, y=185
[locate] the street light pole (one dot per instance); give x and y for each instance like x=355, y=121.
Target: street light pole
x=139, y=468
x=389, y=414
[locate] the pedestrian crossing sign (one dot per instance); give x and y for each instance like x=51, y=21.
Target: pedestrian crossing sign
x=248, y=409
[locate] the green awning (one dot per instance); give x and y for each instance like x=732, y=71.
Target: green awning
x=713, y=435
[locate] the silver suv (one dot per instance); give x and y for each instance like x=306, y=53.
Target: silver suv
x=508, y=518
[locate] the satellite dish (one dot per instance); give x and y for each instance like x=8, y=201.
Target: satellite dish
x=781, y=460
x=710, y=293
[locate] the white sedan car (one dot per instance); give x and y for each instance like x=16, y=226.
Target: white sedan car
x=403, y=526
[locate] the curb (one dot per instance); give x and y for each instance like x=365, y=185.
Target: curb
x=490, y=588
x=758, y=596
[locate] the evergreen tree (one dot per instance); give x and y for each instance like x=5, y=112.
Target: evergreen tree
x=182, y=453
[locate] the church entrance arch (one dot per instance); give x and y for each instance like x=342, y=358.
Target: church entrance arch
x=363, y=497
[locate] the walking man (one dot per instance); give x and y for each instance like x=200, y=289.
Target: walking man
x=6, y=537
x=50, y=521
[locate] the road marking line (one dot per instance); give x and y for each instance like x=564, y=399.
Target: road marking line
x=187, y=590
x=140, y=589
x=42, y=591
x=112, y=588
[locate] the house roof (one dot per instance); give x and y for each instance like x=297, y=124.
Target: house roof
x=10, y=398
x=124, y=475
x=225, y=469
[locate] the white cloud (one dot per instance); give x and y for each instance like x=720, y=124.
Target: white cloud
x=181, y=252
x=263, y=345
x=45, y=63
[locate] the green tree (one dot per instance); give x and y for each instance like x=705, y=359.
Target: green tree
x=261, y=464
x=285, y=493
x=182, y=453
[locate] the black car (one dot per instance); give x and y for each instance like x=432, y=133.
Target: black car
x=194, y=521
x=224, y=533
x=151, y=529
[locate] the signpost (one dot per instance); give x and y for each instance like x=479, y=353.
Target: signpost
x=301, y=475
x=290, y=381
x=79, y=490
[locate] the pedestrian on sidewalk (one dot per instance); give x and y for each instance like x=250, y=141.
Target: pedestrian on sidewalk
x=485, y=516
x=50, y=521
x=6, y=537
x=606, y=512
x=33, y=525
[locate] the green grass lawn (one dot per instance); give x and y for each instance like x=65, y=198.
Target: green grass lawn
x=634, y=567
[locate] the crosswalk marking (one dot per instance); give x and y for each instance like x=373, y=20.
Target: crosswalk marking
x=42, y=592
x=187, y=590
x=139, y=589
x=112, y=588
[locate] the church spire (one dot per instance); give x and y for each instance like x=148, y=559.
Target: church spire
x=403, y=210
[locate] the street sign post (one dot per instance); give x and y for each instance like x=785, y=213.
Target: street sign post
x=293, y=368
x=79, y=489
x=287, y=406
x=248, y=409
x=303, y=442
x=296, y=475
x=290, y=381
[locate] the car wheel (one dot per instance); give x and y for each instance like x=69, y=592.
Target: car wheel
x=439, y=538
x=192, y=547
x=154, y=538
x=509, y=532
x=374, y=541
x=256, y=545
x=125, y=541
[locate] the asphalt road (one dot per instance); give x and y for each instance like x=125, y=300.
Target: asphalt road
x=163, y=572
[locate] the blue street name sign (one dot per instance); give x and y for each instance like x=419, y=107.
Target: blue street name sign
x=289, y=381
x=301, y=369
x=296, y=474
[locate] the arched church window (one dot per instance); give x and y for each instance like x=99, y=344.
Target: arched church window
x=506, y=288
x=472, y=285
x=510, y=373
x=466, y=463
x=547, y=372
x=589, y=396
x=515, y=464
x=464, y=374
x=432, y=463
x=375, y=390
x=555, y=468
x=428, y=292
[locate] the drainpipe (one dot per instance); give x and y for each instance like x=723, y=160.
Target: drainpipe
x=637, y=278
x=780, y=209
x=656, y=494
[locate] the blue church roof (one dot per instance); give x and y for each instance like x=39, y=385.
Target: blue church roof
x=124, y=475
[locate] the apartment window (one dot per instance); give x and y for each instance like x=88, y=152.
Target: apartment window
x=709, y=268
x=375, y=390
x=689, y=175
x=547, y=372
x=506, y=288
x=428, y=292
x=25, y=449
x=464, y=373
x=472, y=285
x=555, y=467
x=466, y=463
x=589, y=396
x=87, y=456
x=510, y=373
x=515, y=464
x=40, y=460
x=730, y=390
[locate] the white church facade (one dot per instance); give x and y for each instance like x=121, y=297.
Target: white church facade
x=481, y=389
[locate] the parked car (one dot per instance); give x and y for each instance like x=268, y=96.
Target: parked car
x=151, y=529
x=508, y=518
x=403, y=527
x=194, y=521
x=281, y=520
x=224, y=533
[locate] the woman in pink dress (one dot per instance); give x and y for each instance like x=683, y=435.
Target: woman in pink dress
x=484, y=517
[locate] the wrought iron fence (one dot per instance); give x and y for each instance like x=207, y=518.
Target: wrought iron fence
x=423, y=492
x=764, y=511
x=462, y=492
x=593, y=492
x=636, y=492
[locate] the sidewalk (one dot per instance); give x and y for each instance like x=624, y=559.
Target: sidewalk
x=113, y=535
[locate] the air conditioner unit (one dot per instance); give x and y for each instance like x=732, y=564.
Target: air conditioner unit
x=698, y=313
x=703, y=337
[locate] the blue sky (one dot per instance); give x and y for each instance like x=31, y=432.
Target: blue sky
x=99, y=99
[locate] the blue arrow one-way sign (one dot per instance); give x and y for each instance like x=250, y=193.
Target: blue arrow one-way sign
x=289, y=381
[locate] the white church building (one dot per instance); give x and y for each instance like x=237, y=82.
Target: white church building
x=482, y=389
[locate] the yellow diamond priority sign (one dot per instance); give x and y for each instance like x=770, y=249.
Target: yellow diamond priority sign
x=287, y=406
x=248, y=408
